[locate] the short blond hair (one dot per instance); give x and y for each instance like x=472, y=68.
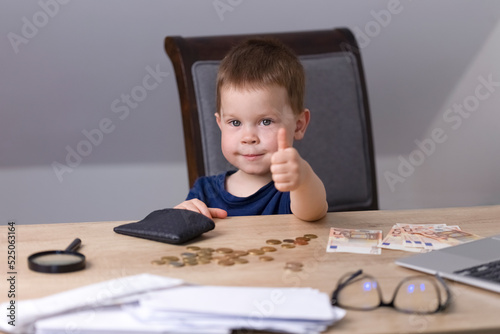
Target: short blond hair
x=261, y=62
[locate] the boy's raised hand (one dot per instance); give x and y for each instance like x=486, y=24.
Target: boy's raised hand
x=286, y=165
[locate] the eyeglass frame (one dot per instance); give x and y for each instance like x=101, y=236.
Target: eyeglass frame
x=341, y=285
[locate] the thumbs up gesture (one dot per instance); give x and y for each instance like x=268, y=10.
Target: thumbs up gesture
x=286, y=165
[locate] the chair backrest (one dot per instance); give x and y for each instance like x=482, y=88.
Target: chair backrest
x=338, y=143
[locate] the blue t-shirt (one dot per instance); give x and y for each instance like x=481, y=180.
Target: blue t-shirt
x=266, y=201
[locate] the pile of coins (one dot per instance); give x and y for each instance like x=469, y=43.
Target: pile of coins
x=225, y=256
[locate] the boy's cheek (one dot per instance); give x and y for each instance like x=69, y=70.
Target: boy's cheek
x=227, y=137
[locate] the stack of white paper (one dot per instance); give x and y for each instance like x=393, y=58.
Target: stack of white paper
x=113, y=292
x=177, y=308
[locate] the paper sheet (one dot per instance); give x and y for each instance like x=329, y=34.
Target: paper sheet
x=156, y=304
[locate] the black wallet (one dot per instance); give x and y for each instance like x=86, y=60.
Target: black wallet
x=172, y=226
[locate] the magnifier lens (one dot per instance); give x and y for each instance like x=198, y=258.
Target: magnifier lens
x=56, y=259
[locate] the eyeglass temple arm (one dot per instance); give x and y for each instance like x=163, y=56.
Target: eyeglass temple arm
x=341, y=285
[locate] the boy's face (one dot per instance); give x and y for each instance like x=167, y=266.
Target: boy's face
x=249, y=121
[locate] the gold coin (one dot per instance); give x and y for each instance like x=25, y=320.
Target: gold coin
x=302, y=239
x=176, y=264
x=273, y=242
x=170, y=258
x=189, y=259
x=266, y=258
x=240, y=261
x=255, y=251
x=301, y=242
x=226, y=262
x=205, y=257
x=224, y=250
x=310, y=236
x=193, y=248
x=240, y=253
x=158, y=262
x=287, y=245
x=207, y=249
x=202, y=260
x=289, y=241
x=191, y=263
x=268, y=249
x=231, y=256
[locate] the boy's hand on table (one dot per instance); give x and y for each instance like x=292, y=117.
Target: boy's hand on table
x=286, y=165
x=198, y=206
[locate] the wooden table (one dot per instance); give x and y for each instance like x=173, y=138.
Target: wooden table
x=110, y=255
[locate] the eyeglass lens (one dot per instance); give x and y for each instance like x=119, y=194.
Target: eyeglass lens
x=360, y=293
x=417, y=295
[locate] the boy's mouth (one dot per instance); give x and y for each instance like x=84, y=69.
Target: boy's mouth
x=252, y=156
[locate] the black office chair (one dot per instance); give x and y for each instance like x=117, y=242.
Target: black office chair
x=338, y=143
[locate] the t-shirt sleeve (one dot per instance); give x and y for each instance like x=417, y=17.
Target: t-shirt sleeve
x=285, y=204
x=197, y=190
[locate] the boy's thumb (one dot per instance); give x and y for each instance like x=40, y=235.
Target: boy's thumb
x=282, y=140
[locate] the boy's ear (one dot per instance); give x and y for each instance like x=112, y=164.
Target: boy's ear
x=217, y=118
x=301, y=124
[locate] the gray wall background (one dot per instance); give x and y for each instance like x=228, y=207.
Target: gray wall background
x=73, y=67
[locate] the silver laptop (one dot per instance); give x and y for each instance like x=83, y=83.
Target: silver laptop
x=475, y=263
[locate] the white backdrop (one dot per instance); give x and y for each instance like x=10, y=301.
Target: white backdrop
x=90, y=126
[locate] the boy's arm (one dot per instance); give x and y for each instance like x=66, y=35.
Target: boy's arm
x=294, y=174
x=308, y=201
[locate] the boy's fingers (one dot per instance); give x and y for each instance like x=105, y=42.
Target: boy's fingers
x=195, y=205
x=282, y=140
x=198, y=206
x=278, y=168
x=217, y=213
x=202, y=208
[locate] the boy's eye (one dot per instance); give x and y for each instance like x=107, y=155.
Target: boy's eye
x=266, y=122
x=235, y=123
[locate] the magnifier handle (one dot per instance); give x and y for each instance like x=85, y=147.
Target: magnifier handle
x=74, y=245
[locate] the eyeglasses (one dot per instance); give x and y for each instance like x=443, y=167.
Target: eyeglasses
x=415, y=294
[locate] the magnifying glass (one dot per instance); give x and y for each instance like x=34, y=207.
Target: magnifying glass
x=59, y=261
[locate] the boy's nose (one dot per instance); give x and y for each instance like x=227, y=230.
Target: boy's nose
x=249, y=137
x=249, y=140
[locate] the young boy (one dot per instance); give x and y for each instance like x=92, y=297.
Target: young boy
x=260, y=91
